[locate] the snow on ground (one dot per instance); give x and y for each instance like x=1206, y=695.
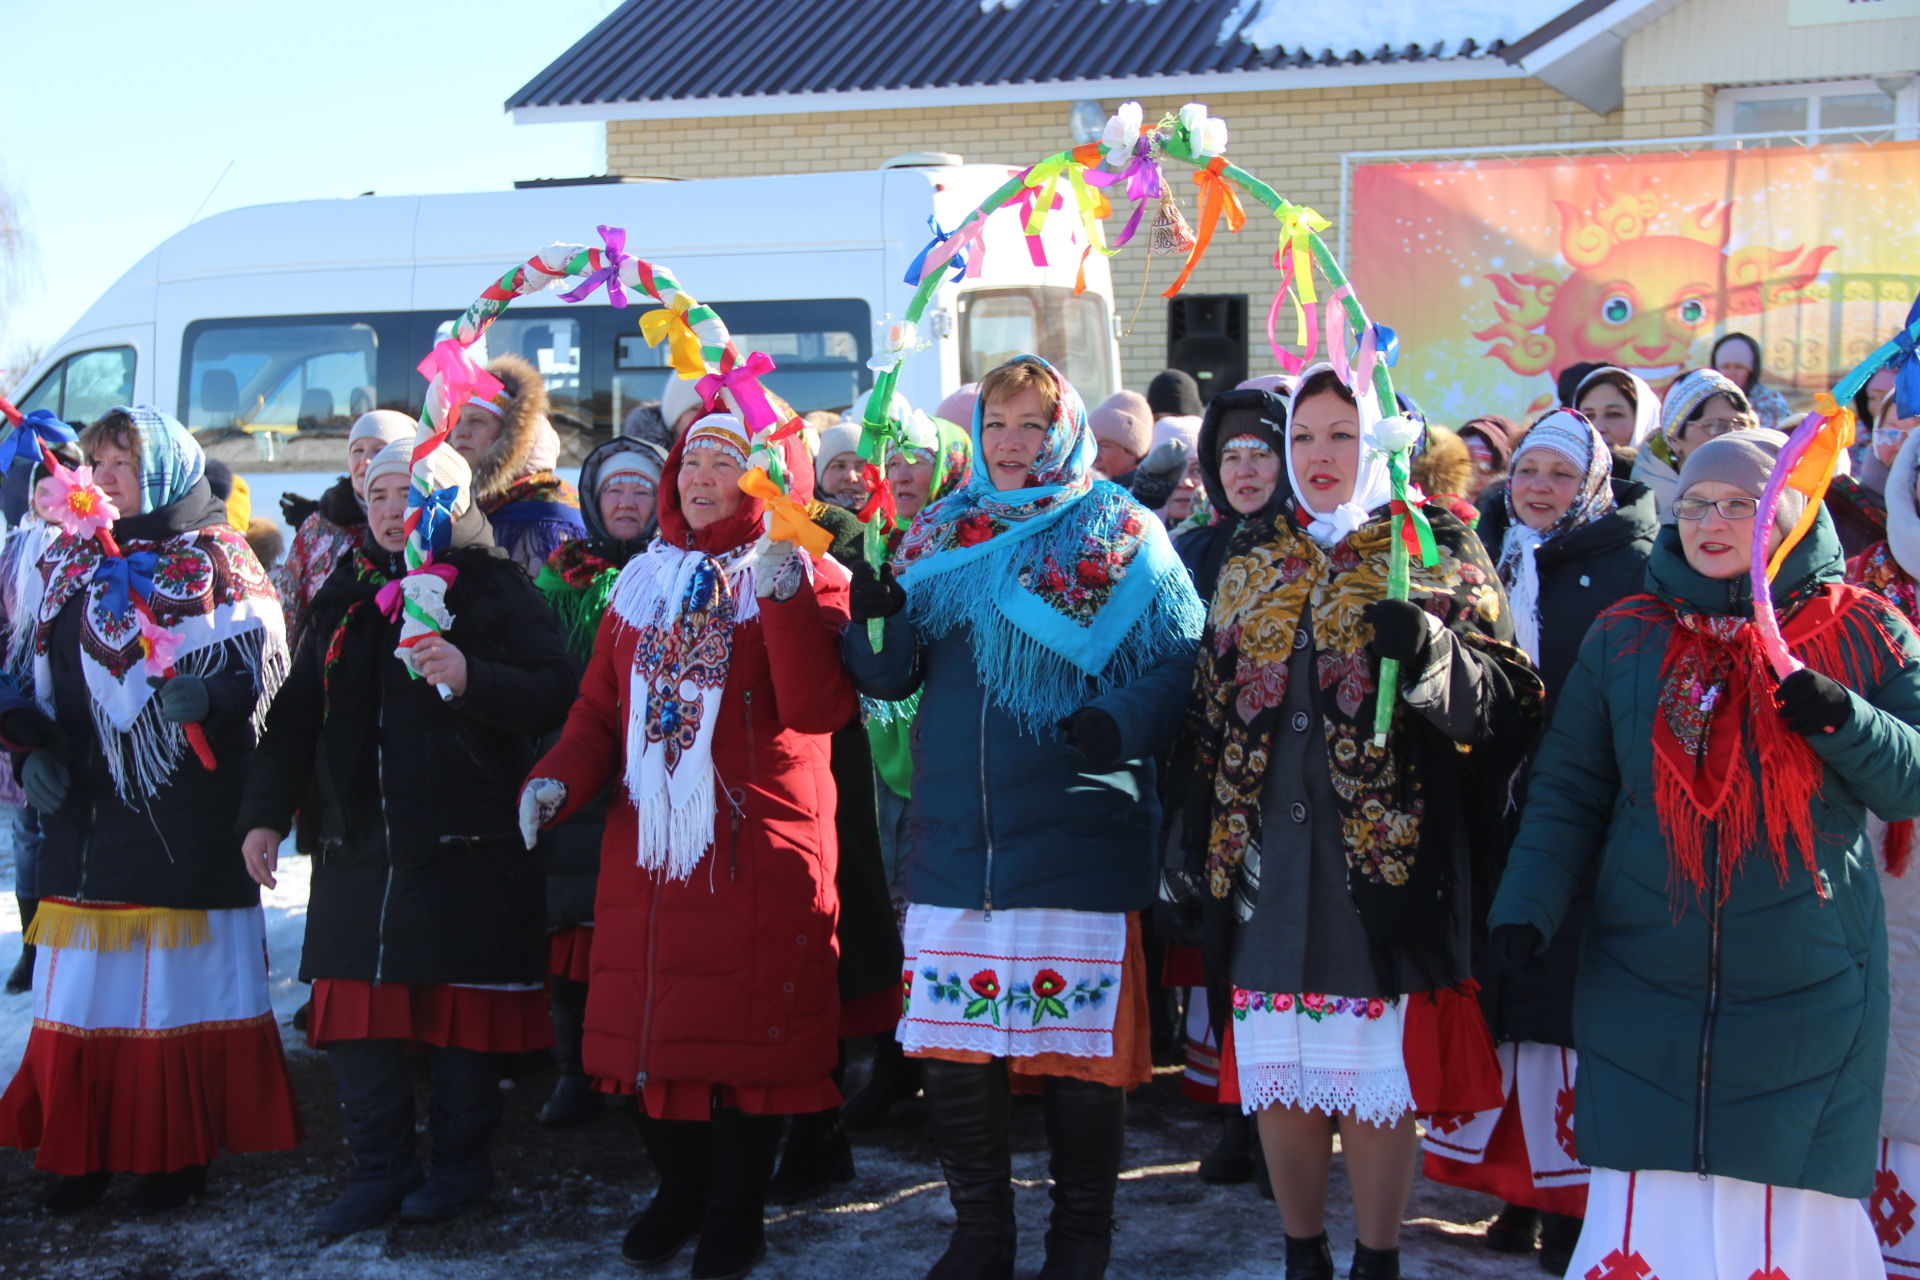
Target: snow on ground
x=565, y=1198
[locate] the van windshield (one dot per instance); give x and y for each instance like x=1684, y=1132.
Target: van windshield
x=1069, y=332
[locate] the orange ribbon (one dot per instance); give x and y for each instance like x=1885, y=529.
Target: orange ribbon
x=1217, y=196
x=786, y=519
x=1815, y=470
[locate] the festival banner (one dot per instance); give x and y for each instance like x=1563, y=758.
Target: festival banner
x=1498, y=274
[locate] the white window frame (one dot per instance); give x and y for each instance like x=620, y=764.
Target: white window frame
x=1906, y=106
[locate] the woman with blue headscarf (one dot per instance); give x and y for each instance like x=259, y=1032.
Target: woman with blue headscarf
x=154, y=1043
x=1048, y=628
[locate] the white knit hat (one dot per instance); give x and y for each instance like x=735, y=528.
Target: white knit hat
x=679, y=395
x=384, y=425
x=446, y=469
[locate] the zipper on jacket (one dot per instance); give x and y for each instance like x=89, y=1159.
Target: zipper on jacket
x=735, y=811
x=986, y=809
x=86, y=846
x=753, y=755
x=646, y=1005
x=1712, y=1014
x=386, y=826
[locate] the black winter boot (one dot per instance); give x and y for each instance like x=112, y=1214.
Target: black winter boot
x=463, y=1111
x=1231, y=1160
x=818, y=1155
x=20, y=981
x=160, y=1192
x=733, y=1230
x=682, y=1155
x=1515, y=1230
x=1310, y=1259
x=1086, y=1135
x=73, y=1193
x=573, y=1101
x=1559, y=1233
x=1374, y=1264
x=376, y=1112
x=969, y=1110
x=894, y=1078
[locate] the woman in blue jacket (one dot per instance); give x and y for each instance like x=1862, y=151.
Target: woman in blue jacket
x=1049, y=629
x=1730, y=1012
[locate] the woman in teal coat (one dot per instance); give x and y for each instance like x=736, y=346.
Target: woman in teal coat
x=1731, y=1008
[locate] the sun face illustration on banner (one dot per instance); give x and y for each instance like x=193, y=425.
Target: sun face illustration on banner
x=1633, y=296
x=1499, y=274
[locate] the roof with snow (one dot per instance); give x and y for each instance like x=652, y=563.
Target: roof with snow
x=659, y=58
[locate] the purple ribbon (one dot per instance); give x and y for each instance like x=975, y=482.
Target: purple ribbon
x=1143, y=179
x=609, y=271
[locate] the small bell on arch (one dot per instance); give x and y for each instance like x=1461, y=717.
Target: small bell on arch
x=1172, y=236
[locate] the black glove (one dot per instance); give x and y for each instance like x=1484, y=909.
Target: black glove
x=1516, y=947
x=28, y=728
x=183, y=699
x=1400, y=632
x=1097, y=736
x=1811, y=703
x=45, y=780
x=875, y=595
x=296, y=509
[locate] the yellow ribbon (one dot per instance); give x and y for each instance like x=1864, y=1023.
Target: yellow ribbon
x=1298, y=224
x=683, y=344
x=1815, y=471
x=786, y=519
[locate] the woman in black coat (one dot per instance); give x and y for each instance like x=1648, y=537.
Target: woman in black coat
x=427, y=918
x=1571, y=541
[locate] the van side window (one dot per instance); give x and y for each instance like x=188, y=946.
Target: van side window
x=1071, y=332
x=274, y=381
x=819, y=348
x=84, y=385
x=551, y=344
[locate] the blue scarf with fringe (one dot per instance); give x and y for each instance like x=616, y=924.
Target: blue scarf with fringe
x=1067, y=588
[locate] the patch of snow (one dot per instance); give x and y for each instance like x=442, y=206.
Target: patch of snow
x=1288, y=24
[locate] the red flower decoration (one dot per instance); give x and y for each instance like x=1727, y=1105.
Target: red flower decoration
x=973, y=530
x=985, y=983
x=1314, y=1001
x=1047, y=983
x=1131, y=525
x=1091, y=573
x=1055, y=580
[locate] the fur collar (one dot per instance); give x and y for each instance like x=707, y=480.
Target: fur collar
x=511, y=456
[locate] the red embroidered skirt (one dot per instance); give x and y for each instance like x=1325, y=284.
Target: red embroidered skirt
x=484, y=1019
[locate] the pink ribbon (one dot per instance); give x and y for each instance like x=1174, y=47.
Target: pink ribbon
x=742, y=382
x=966, y=239
x=1303, y=327
x=460, y=378
x=606, y=269
x=1036, y=250
x=1142, y=177
x=392, y=597
x=1365, y=355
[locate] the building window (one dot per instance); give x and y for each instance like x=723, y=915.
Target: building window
x=1829, y=111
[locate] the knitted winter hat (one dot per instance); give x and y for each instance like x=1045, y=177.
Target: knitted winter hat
x=384, y=425
x=1565, y=432
x=842, y=437
x=1184, y=427
x=958, y=407
x=446, y=469
x=720, y=431
x=1131, y=432
x=1174, y=393
x=1691, y=391
x=1743, y=459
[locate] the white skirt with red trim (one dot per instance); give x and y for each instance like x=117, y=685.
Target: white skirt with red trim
x=1892, y=1208
x=153, y=1058
x=1522, y=1151
x=1660, y=1225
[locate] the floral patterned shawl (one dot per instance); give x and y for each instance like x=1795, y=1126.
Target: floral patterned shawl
x=1275, y=576
x=1067, y=587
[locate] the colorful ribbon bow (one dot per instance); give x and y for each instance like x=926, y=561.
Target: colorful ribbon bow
x=956, y=257
x=391, y=598
x=126, y=576
x=1377, y=343
x=33, y=434
x=1217, y=196
x=786, y=519
x=608, y=273
x=683, y=344
x=880, y=500
x=430, y=517
x=1144, y=184
x=742, y=382
x=461, y=378
x=965, y=245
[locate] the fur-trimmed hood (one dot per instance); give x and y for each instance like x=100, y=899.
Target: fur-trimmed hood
x=528, y=442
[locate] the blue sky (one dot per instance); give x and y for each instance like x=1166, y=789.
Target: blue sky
x=118, y=116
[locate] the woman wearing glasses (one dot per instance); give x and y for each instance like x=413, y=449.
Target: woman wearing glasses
x=1731, y=1006
x=1698, y=407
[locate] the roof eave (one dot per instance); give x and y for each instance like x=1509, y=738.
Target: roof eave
x=1581, y=52
x=1365, y=75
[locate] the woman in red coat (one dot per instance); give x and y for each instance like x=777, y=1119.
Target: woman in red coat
x=714, y=685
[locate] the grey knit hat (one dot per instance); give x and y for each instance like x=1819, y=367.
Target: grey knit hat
x=1745, y=460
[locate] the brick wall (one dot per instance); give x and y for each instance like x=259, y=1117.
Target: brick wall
x=1292, y=140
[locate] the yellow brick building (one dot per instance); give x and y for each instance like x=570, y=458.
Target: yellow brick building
x=1628, y=72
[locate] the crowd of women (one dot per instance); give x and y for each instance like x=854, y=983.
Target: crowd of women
x=1595, y=926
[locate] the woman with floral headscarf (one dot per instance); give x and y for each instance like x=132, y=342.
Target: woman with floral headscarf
x=1731, y=1006
x=1698, y=407
x=714, y=687
x=425, y=919
x=1337, y=868
x=1572, y=540
x=154, y=1044
x=1046, y=625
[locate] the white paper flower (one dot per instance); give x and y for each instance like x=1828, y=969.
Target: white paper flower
x=1391, y=435
x=1206, y=134
x=895, y=341
x=1122, y=131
